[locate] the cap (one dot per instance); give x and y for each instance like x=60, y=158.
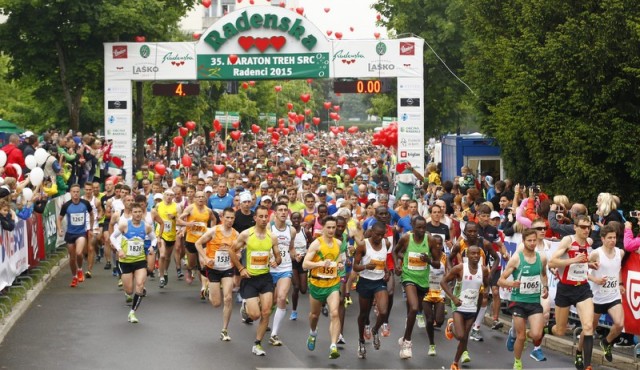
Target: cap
x=27, y=134
x=365, y=177
x=245, y=197
x=173, y=163
x=157, y=196
x=322, y=192
x=306, y=177
x=494, y=214
x=345, y=166
x=384, y=185
x=405, y=197
x=208, y=189
x=266, y=198
x=489, y=180
x=324, y=173
x=339, y=202
x=244, y=179
x=371, y=196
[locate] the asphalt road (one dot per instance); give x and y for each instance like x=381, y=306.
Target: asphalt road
x=87, y=327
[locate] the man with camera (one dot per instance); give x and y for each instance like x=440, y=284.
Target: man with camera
x=561, y=221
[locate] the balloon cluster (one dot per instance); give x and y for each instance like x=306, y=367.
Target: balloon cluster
x=387, y=137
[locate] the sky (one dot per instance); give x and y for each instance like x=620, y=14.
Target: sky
x=342, y=15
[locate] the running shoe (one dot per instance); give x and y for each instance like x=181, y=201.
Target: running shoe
x=475, y=335
x=511, y=340
x=341, y=339
x=517, y=364
x=579, y=361
x=258, y=350
x=497, y=325
x=163, y=282
x=144, y=292
x=132, y=318
x=448, y=330
x=88, y=275
x=74, y=282
x=405, y=350
x=420, y=320
x=386, y=330
x=203, y=295
x=128, y=298
x=347, y=302
x=333, y=352
x=311, y=342
x=119, y=283
x=607, y=350
x=243, y=314
x=275, y=341
x=538, y=355
x=181, y=275
x=224, y=336
x=80, y=276
x=376, y=340
x=325, y=311
x=465, y=357
x=367, y=332
x=362, y=350
x=454, y=366
x=294, y=316
x=432, y=350
x=107, y=266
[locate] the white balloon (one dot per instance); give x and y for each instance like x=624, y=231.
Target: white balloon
x=36, y=176
x=3, y=158
x=27, y=194
x=18, y=170
x=41, y=156
x=31, y=162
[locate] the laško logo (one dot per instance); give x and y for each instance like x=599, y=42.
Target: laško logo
x=407, y=48
x=119, y=51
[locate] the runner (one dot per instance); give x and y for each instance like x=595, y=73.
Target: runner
x=299, y=280
x=414, y=255
x=257, y=284
x=196, y=217
x=109, y=193
x=150, y=218
x=529, y=285
x=433, y=302
x=168, y=211
x=606, y=288
x=324, y=259
x=75, y=211
x=128, y=240
x=281, y=272
x=571, y=259
x=371, y=264
x=473, y=277
x=94, y=232
x=217, y=264
x=125, y=214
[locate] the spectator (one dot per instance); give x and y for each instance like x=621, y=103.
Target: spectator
x=14, y=156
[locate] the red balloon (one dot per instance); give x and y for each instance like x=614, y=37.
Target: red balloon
x=343, y=142
x=292, y=115
x=339, y=35
x=307, y=112
x=305, y=97
x=212, y=134
x=309, y=80
x=327, y=105
x=353, y=129
x=269, y=129
x=310, y=137
x=341, y=128
x=190, y=125
x=277, y=88
x=292, y=128
x=315, y=151
x=255, y=128
x=306, y=126
x=281, y=126
x=285, y=131
x=275, y=135
x=299, y=172
x=183, y=131
x=117, y=161
x=219, y=168
x=160, y=169
x=290, y=106
x=316, y=121
x=274, y=142
x=221, y=147
x=252, y=83
x=352, y=172
x=260, y=144
x=235, y=135
x=178, y=140
x=336, y=108
x=236, y=124
x=206, y=3
x=304, y=152
x=281, y=120
x=150, y=141
x=217, y=126
x=245, y=85
x=186, y=160
x=342, y=160
x=333, y=116
x=335, y=130
x=300, y=118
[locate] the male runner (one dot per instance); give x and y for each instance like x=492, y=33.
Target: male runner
x=168, y=211
x=529, y=271
x=324, y=260
x=299, y=280
x=75, y=210
x=94, y=232
x=433, y=302
x=216, y=260
x=256, y=286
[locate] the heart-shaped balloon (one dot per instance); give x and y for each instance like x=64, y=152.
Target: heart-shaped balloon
x=299, y=172
x=285, y=131
x=178, y=141
x=326, y=10
x=277, y=88
x=352, y=172
x=353, y=129
x=342, y=160
x=206, y=3
x=310, y=137
x=190, y=125
x=160, y=169
x=255, y=128
x=290, y=106
x=316, y=120
x=307, y=112
x=376, y=35
x=183, y=131
x=315, y=151
x=219, y=168
x=269, y=129
x=306, y=126
x=217, y=126
x=236, y=124
x=343, y=142
x=186, y=160
x=245, y=85
x=336, y=108
x=340, y=128
x=327, y=105
x=305, y=97
x=222, y=147
x=275, y=135
x=274, y=142
x=300, y=10
x=333, y=116
x=309, y=81
x=260, y=144
x=212, y=134
x=150, y=141
x=235, y=135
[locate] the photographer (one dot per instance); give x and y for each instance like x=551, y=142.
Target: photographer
x=562, y=223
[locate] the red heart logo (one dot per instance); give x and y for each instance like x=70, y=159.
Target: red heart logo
x=329, y=33
x=173, y=63
x=233, y=58
x=182, y=62
x=344, y=60
x=262, y=43
x=326, y=10
x=339, y=35
x=300, y=10
x=278, y=42
x=246, y=42
x=353, y=60
x=348, y=62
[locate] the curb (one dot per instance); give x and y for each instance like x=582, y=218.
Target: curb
x=566, y=347
x=21, y=307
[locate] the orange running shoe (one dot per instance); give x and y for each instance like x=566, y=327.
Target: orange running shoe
x=80, y=276
x=448, y=332
x=454, y=366
x=74, y=282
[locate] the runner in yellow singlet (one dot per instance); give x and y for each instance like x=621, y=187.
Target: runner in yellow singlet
x=168, y=212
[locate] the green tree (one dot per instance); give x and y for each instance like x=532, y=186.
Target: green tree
x=59, y=44
x=558, y=87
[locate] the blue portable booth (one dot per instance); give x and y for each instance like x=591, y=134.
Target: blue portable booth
x=480, y=153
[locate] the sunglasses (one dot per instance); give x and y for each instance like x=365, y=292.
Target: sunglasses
x=540, y=228
x=584, y=227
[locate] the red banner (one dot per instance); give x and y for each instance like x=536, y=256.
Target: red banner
x=630, y=276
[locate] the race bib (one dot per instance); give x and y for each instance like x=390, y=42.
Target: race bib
x=530, y=284
x=135, y=248
x=259, y=260
x=221, y=261
x=198, y=229
x=301, y=249
x=610, y=286
x=285, y=255
x=469, y=297
x=435, y=277
x=415, y=262
x=380, y=264
x=168, y=225
x=577, y=272
x=330, y=272
x=77, y=219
